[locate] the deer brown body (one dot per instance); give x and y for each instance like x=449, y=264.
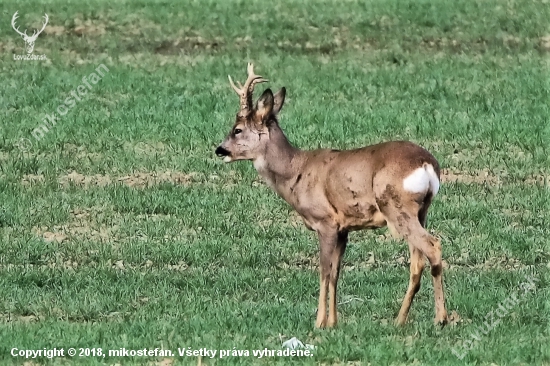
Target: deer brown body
x=336, y=192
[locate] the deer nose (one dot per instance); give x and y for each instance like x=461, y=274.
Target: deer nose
x=220, y=151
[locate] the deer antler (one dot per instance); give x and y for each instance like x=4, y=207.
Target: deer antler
x=245, y=92
x=13, y=19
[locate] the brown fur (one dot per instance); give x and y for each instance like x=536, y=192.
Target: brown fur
x=336, y=192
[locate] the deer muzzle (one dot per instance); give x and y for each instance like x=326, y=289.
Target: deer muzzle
x=222, y=152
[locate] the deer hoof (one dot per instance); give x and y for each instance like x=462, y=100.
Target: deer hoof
x=441, y=321
x=321, y=323
x=400, y=321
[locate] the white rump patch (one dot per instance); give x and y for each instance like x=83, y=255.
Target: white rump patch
x=422, y=180
x=227, y=159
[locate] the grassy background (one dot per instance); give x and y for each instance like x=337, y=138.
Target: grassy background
x=207, y=256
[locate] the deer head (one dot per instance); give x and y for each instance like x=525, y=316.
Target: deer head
x=29, y=40
x=249, y=136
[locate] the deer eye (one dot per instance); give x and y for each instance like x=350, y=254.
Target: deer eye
x=237, y=131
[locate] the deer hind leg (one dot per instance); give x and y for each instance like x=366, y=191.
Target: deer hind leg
x=441, y=313
x=430, y=246
x=406, y=221
x=417, y=267
x=422, y=217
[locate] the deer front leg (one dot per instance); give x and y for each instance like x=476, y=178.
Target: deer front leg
x=332, y=245
x=321, y=321
x=335, y=262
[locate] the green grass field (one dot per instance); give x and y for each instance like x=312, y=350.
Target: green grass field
x=120, y=228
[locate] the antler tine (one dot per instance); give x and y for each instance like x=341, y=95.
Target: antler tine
x=238, y=90
x=253, y=78
x=245, y=91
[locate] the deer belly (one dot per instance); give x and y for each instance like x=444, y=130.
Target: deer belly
x=359, y=216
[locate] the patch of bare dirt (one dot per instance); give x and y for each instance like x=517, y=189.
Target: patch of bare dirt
x=475, y=177
x=507, y=42
x=89, y=27
x=146, y=61
x=538, y=179
x=102, y=224
x=67, y=265
x=302, y=260
x=178, y=45
x=311, y=262
x=495, y=262
x=485, y=176
x=83, y=225
x=16, y=318
x=544, y=43
x=179, y=267
x=135, y=180
x=145, y=180
x=82, y=180
x=59, y=314
x=31, y=179
x=517, y=214
x=51, y=237
x=501, y=262
x=121, y=265
x=117, y=264
x=55, y=30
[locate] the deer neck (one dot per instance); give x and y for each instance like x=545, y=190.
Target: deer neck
x=280, y=161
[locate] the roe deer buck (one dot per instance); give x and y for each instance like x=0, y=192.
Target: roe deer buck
x=335, y=192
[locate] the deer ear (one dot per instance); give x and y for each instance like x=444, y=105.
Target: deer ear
x=279, y=100
x=264, y=107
